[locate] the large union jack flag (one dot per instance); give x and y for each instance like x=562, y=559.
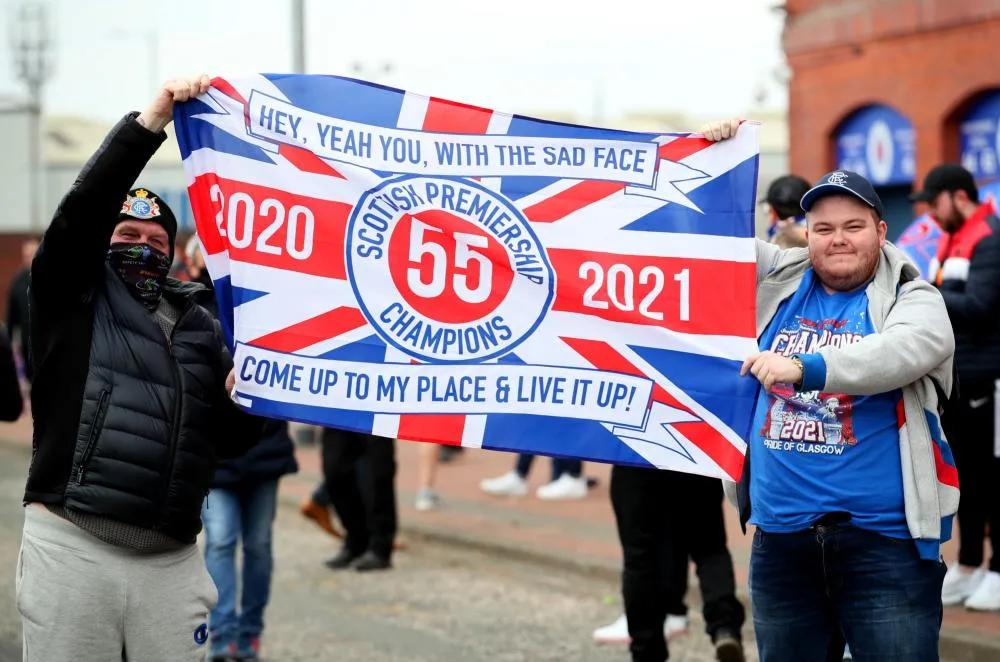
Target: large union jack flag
x=427, y=270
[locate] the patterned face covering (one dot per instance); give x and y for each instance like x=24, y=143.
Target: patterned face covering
x=142, y=268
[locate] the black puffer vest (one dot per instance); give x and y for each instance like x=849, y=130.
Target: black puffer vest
x=144, y=451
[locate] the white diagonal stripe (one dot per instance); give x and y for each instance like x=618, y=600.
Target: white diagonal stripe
x=651, y=244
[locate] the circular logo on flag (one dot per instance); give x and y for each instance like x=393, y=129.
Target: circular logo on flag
x=879, y=150
x=446, y=270
x=996, y=151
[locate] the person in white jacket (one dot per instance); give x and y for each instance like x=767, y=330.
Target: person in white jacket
x=849, y=513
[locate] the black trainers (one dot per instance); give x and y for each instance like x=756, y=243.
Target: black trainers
x=342, y=560
x=728, y=647
x=371, y=561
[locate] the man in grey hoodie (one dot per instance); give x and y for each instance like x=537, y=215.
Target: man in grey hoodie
x=850, y=499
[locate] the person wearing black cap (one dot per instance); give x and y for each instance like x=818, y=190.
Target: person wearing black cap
x=786, y=220
x=847, y=478
x=967, y=269
x=132, y=407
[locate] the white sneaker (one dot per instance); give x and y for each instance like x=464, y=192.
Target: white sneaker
x=959, y=584
x=986, y=597
x=675, y=626
x=564, y=487
x=509, y=484
x=617, y=632
x=427, y=499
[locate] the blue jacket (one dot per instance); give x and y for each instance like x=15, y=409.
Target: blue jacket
x=269, y=459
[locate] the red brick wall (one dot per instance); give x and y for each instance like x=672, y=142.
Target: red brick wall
x=928, y=59
x=10, y=264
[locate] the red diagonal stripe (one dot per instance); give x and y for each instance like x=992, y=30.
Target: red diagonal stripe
x=701, y=434
x=313, y=330
x=223, y=86
x=566, y=202
x=299, y=157
x=307, y=161
x=580, y=195
x=713, y=444
x=681, y=148
x=604, y=357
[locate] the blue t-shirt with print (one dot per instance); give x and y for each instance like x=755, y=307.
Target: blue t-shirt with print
x=815, y=453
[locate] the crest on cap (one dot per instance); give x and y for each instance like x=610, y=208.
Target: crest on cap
x=837, y=178
x=140, y=205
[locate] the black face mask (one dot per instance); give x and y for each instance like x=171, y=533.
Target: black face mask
x=142, y=268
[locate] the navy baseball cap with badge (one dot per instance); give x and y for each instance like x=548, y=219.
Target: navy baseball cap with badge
x=844, y=182
x=142, y=204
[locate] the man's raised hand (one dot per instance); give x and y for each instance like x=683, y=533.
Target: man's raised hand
x=716, y=131
x=160, y=112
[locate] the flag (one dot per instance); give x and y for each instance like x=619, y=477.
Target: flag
x=426, y=270
x=920, y=240
x=920, y=243
x=989, y=192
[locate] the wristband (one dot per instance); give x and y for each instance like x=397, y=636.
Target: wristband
x=802, y=371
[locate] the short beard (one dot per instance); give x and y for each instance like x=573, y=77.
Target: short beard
x=954, y=222
x=853, y=281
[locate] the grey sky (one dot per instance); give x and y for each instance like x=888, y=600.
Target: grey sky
x=697, y=56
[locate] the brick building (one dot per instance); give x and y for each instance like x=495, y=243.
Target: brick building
x=892, y=87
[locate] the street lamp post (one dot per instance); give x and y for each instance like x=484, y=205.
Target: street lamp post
x=31, y=42
x=298, y=37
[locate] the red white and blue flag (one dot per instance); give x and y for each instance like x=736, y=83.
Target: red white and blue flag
x=920, y=243
x=427, y=270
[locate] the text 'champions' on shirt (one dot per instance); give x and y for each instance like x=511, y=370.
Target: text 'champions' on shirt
x=816, y=453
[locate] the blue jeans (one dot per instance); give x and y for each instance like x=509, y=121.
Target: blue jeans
x=229, y=515
x=811, y=590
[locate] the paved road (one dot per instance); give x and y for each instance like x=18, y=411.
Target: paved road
x=438, y=605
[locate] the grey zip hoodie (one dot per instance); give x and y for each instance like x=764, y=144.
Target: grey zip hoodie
x=912, y=349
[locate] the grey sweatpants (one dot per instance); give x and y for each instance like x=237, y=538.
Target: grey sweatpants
x=82, y=599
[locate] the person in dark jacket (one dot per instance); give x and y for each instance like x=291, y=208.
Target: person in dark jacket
x=17, y=307
x=786, y=221
x=359, y=471
x=967, y=271
x=11, y=401
x=241, y=504
x=132, y=404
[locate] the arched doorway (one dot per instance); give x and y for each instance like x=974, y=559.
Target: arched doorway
x=979, y=141
x=878, y=142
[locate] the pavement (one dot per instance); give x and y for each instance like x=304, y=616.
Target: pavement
x=440, y=603
x=571, y=536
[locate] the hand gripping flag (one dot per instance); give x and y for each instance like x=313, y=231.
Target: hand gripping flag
x=426, y=270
